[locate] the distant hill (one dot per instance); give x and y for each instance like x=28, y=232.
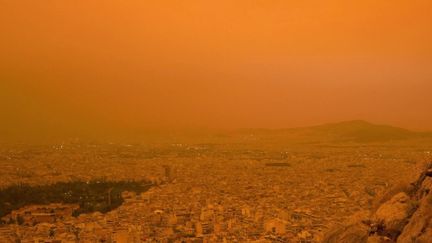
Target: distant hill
x=362, y=131
x=348, y=131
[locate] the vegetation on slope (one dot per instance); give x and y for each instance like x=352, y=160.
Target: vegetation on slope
x=92, y=196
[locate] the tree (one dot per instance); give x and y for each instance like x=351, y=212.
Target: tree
x=20, y=220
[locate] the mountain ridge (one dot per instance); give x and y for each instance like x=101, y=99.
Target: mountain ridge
x=354, y=130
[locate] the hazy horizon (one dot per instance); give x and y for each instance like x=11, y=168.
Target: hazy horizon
x=215, y=121
x=79, y=68
x=343, y=130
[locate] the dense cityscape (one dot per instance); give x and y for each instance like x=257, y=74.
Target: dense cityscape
x=205, y=192
x=191, y=121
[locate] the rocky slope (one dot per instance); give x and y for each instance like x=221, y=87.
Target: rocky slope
x=402, y=215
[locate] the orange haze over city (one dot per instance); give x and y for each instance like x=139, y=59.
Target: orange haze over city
x=78, y=67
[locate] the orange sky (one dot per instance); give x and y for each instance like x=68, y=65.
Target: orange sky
x=78, y=65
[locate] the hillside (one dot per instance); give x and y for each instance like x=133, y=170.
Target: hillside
x=403, y=214
x=348, y=131
x=362, y=131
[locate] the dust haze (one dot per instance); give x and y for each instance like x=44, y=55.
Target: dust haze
x=78, y=67
x=215, y=121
